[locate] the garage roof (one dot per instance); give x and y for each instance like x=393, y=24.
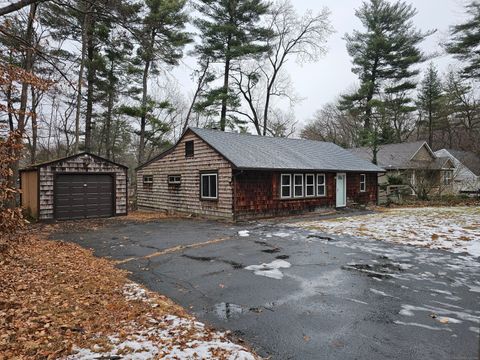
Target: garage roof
x=247, y=151
x=51, y=162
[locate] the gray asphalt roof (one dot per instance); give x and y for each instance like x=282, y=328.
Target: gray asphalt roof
x=246, y=151
x=391, y=156
x=468, y=159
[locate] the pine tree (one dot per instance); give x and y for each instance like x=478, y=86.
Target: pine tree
x=466, y=40
x=229, y=30
x=383, y=56
x=161, y=40
x=430, y=99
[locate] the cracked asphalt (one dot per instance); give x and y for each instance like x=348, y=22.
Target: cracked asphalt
x=320, y=297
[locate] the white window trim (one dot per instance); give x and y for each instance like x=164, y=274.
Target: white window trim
x=294, y=186
x=216, y=186
x=289, y=186
x=363, y=183
x=148, y=181
x=324, y=185
x=313, y=185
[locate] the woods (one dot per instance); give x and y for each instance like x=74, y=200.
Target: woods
x=111, y=91
x=394, y=102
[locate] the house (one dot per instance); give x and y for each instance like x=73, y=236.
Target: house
x=466, y=175
x=74, y=187
x=411, y=168
x=239, y=176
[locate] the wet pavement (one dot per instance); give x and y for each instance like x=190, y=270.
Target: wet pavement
x=299, y=294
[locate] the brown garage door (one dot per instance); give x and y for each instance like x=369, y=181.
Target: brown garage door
x=79, y=196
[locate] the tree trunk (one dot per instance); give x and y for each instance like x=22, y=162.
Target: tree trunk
x=80, y=78
x=108, y=120
x=143, y=118
x=201, y=80
x=226, y=75
x=91, y=75
x=33, y=151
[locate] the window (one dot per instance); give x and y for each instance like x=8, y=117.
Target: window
x=147, y=182
x=174, y=180
x=208, y=186
x=447, y=177
x=309, y=185
x=286, y=185
x=298, y=185
x=189, y=148
x=321, y=185
x=363, y=183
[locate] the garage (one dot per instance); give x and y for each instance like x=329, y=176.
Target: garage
x=82, y=186
x=79, y=196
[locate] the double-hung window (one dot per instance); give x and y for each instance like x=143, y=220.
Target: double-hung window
x=309, y=185
x=363, y=183
x=321, y=185
x=298, y=185
x=286, y=186
x=209, y=186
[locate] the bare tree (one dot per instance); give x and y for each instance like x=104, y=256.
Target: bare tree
x=301, y=37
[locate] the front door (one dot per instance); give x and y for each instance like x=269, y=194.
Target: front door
x=341, y=199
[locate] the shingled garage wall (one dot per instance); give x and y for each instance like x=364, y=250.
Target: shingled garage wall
x=83, y=163
x=185, y=197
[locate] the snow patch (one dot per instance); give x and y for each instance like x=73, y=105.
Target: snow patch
x=270, y=270
x=244, y=233
x=422, y=326
x=169, y=338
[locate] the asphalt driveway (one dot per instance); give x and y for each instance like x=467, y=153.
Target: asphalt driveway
x=320, y=296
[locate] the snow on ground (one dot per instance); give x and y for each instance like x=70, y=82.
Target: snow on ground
x=451, y=228
x=270, y=270
x=169, y=337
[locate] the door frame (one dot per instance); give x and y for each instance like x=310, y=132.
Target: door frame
x=344, y=175
x=110, y=173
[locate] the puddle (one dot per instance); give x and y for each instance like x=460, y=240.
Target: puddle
x=226, y=311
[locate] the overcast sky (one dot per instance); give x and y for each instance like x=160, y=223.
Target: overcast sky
x=321, y=82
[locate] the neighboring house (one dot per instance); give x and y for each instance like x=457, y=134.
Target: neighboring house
x=75, y=187
x=238, y=176
x=411, y=168
x=466, y=176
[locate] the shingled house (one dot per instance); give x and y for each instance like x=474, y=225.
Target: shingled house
x=414, y=164
x=239, y=176
x=466, y=175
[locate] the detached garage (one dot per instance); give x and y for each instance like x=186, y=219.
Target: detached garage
x=76, y=187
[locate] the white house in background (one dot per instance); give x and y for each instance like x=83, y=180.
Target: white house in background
x=466, y=176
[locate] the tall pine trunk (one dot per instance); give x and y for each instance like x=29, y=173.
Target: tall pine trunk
x=91, y=75
x=80, y=77
x=108, y=120
x=223, y=114
x=143, y=117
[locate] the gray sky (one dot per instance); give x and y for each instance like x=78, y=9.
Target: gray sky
x=321, y=82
